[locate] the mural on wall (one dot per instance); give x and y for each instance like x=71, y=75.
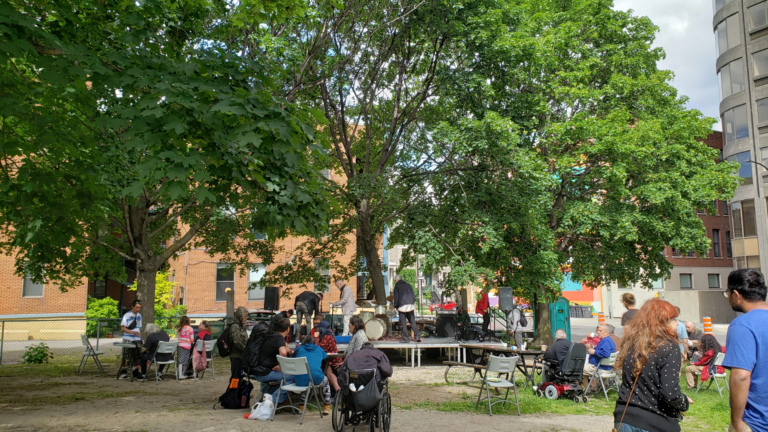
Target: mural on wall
x=581, y=294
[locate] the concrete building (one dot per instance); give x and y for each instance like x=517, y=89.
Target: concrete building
x=740, y=28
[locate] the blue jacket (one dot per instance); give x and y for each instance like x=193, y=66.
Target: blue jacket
x=315, y=356
x=604, y=349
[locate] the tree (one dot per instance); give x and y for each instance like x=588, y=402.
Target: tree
x=587, y=159
x=375, y=69
x=130, y=131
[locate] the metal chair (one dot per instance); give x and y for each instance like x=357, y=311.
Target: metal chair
x=609, y=376
x=89, y=352
x=297, y=366
x=714, y=376
x=166, y=348
x=208, y=348
x=500, y=366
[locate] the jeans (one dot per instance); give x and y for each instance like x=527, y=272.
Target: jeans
x=628, y=428
x=486, y=321
x=236, y=365
x=346, y=325
x=302, y=314
x=409, y=317
x=274, y=376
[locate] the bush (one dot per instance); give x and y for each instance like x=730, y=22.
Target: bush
x=37, y=354
x=105, y=308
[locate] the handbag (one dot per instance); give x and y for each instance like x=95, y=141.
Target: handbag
x=199, y=361
x=621, y=422
x=132, y=325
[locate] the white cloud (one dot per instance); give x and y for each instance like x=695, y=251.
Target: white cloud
x=686, y=35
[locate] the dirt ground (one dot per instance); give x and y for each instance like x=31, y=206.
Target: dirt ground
x=96, y=402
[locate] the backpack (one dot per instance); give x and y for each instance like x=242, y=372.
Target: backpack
x=223, y=342
x=252, y=353
x=238, y=394
x=523, y=319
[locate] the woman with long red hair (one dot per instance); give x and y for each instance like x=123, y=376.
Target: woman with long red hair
x=650, y=398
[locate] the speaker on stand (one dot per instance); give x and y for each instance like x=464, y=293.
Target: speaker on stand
x=272, y=298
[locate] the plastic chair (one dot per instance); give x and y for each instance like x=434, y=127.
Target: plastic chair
x=500, y=366
x=208, y=348
x=604, y=376
x=713, y=377
x=297, y=366
x=89, y=352
x=166, y=348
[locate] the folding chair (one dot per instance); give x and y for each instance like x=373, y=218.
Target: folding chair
x=714, y=376
x=89, y=352
x=166, y=348
x=500, y=366
x=208, y=348
x=297, y=366
x=606, y=376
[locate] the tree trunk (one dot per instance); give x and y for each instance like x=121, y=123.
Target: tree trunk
x=543, y=325
x=367, y=242
x=145, y=291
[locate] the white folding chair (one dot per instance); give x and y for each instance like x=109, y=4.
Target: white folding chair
x=606, y=376
x=500, y=366
x=208, y=348
x=713, y=377
x=166, y=348
x=89, y=352
x=297, y=366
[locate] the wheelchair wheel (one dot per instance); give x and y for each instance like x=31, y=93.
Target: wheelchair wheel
x=337, y=415
x=584, y=399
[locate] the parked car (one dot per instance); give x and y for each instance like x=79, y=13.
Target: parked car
x=449, y=305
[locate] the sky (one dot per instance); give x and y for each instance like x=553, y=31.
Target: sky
x=685, y=33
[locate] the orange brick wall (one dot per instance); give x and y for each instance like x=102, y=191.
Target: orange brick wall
x=53, y=300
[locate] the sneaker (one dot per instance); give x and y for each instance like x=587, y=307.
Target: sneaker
x=326, y=409
x=123, y=375
x=137, y=375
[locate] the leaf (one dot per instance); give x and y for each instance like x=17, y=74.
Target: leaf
x=203, y=195
x=319, y=115
x=135, y=189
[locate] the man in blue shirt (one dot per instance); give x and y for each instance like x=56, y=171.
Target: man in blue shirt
x=602, y=350
x=682, y=335
x=747, y=343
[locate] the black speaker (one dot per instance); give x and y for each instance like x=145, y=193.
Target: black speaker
x=506, y=301
x=272, y=298
x=446, y=323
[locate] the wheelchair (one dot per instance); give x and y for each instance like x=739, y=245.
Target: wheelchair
x=564, y=380
x=371, y=406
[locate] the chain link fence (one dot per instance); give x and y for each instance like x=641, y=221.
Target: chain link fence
x=63, y=337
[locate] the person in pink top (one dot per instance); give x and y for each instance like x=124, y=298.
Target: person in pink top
x=186, y=336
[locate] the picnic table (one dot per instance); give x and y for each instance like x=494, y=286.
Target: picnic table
x=478, y=364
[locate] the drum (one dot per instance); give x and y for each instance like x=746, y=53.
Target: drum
x=380, y=310
x=366, y=316
x=375, y=328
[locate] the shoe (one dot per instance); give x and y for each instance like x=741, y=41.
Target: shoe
x=123, y=375
x=326, y=410
x=137, y=375
x=405, y=341
x=418, y=340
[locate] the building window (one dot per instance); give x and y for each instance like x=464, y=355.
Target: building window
x=100, y=289
x=686, y=281
x=731, y=78
x=757, y=15
x=717, y=208
x=762, y=111
x=745, y=168
x=628, y=287
x=716, y=243
x=714, y=281
x=760, y=62
x=691, y=254
x=31, y=288
x=225, y=278
x=726, y=210
x=719, y=4
x=323, y=266
x=727, y=34
x=744, y=219
x=675, y=252
x=255, y=274
x=657, y=284
x=735, y=120
x=728, y=250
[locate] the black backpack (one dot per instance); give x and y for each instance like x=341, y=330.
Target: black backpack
x=523, y=319
x=238, y=394
x=252, y=353
x=223, y=342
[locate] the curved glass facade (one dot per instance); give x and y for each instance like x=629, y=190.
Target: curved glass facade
x=727, y=34
x=731, y=78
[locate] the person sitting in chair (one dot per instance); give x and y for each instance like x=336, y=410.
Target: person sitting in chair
x=155, y=334
x=367, y=357
x=556, y=353
x=602, y=350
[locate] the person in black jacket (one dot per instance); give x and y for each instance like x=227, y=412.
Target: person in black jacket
x=556, y=354
x=155, y=334
x=650, y=398
x=366, y=357
x=307, y=304
x=403, y=302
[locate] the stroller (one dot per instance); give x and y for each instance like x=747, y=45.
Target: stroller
x=564, y=379
x=370, y=406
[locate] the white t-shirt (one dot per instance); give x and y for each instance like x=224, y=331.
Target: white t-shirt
x=406, y=308
x=128, y=319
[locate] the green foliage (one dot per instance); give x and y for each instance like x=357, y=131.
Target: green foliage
x=409, y=275
x=37, y=354
x=164, y=307
x=124, y=122
x=106, y=308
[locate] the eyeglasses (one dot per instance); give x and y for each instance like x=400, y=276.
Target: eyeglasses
x=726, y=294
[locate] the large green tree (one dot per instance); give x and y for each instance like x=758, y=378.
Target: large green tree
x=131, y=128
x=587, y=159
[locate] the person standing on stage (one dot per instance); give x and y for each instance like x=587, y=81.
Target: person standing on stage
x=347, y=303
x=403, y=302
x=481, y=308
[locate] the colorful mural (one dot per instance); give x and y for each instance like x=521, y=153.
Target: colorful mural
x=581, y=294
